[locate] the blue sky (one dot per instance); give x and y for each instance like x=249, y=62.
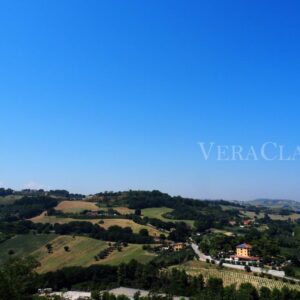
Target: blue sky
x=115, y=95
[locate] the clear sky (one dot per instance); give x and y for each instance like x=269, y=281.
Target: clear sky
x=115, y=95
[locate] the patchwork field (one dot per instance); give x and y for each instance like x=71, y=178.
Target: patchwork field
x=230, y=277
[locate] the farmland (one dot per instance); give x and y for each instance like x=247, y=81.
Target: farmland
x=76, y=206
x=232, y=277
x=79, y=206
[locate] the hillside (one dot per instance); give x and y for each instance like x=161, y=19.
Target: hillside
x=276, y=203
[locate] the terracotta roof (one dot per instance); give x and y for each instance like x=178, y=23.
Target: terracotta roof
x=244, y=246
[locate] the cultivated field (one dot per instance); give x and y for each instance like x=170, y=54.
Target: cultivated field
x=76, y=206
x=232, y=277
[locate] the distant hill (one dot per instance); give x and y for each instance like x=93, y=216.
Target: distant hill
x=276, y=203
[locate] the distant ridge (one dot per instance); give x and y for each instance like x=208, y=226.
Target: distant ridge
x=276, y=203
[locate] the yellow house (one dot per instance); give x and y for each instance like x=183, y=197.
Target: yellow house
x=243, y=250
x=178, y=246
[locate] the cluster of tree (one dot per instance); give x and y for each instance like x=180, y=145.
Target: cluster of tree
x=65, y=194
x=104, y=253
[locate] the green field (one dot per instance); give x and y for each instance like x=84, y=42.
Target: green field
x=24, y=244
x=230, y=276
x=158, y=212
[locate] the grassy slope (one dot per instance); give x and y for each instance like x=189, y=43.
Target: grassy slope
x=82, y=252
x=230, y=276
x=24, y=244
x=158, y=212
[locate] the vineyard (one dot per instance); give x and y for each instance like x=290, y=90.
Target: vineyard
x=234, y=277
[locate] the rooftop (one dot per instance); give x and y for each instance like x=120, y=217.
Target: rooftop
x=244, y=246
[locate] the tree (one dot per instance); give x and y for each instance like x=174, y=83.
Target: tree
x=265, y=293
x=138, y=212
x=49, y=248
x=95, y=295
x=11, y=252
x=247, y=292
x=144, y=232
x=16, y=279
